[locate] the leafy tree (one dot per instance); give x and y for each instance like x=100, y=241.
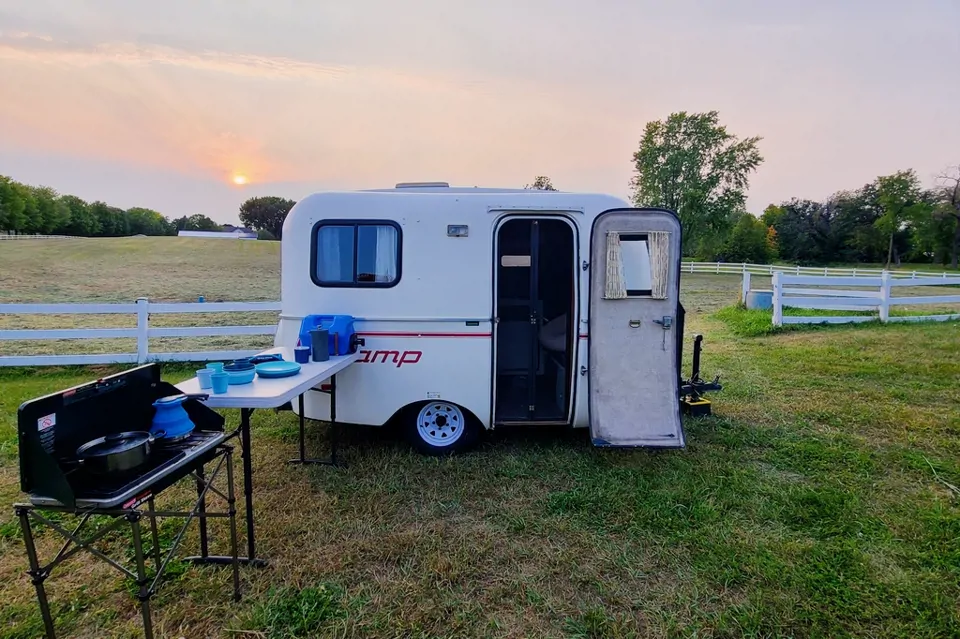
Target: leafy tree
x=949, y=209
x=52, y=213
x=147, y=222
x=12, y=217
x=195, y=222
x=690, y=164
x=747, y=241
x=773, y=244
x=899, y=198
x=32, y=222
x=113, y=221
x=541, y=183
x=266, y=213
x=82, y=222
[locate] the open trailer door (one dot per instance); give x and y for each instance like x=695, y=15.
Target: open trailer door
x=634, y=315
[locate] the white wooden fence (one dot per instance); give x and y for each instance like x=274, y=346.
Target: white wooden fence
x=728, y=268
x=143, y=308
x=813, y=292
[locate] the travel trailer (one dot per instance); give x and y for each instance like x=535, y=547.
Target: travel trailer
x=480, y=308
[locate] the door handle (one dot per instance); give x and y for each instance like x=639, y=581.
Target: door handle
x=666, y=322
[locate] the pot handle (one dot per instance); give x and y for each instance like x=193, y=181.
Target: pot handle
x=198, y=396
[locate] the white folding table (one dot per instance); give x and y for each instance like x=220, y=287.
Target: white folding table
x=270, y=393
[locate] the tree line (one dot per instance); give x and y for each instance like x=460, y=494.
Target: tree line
x=40, y=210
x=26, y=209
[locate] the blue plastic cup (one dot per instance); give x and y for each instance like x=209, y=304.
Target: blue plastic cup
x=221, y=381
x=216, y=366
x=301, y=354
x=203, y=376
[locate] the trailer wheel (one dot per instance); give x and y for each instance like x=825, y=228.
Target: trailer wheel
x=440, y=428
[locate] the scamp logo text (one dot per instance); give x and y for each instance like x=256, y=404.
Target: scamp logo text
x=393, y=357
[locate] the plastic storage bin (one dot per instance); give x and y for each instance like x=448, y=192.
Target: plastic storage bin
x=339, y=327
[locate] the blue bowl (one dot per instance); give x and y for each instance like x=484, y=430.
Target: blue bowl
x=238, y=365
x=240, y=377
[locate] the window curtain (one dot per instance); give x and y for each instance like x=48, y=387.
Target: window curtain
x=659, y=264
x=615, y=286
x=386, y=264
x=329, y=263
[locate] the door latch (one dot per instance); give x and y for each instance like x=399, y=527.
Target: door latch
x=666, y=322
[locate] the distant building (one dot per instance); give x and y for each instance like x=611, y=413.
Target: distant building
x=229, y=232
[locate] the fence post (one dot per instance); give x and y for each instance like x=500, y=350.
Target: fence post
x=777, y=299
x=745, y=286
x=143, y=319
x=885, y=297
x=718, y=268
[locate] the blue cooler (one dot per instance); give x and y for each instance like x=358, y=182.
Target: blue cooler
x=339, y=327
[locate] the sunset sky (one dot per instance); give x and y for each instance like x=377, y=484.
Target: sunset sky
x=163, y=104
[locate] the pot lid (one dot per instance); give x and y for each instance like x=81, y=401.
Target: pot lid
x=170, y=400
x=110, y=444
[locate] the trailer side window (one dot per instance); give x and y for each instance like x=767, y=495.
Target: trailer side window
x=357, y=254
x=635, y=253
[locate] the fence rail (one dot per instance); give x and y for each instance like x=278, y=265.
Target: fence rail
x=813, y=292
x=727, y=268
x=142, y=332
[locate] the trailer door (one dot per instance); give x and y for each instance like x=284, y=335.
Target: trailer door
x=633, y=364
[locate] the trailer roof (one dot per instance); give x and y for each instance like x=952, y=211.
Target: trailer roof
x=443, y=187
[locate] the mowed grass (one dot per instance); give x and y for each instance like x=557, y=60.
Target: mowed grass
x=815, y=503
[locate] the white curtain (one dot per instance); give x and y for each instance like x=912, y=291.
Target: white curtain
x=615, y=287
x=386, y=264
x=660, y=263
x=328, y=262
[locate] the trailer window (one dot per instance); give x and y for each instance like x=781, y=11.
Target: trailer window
x=347, y=253
x=635, y=253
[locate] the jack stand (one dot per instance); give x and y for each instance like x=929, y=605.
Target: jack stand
x=692, y=401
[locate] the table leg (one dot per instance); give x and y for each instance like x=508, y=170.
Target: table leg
x=251, y=558
x=202, y=508
x=334, y=431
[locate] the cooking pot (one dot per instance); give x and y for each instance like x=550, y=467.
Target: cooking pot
x=171, y=418
x=116, y=453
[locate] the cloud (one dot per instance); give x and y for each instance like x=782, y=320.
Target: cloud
x=24, y=47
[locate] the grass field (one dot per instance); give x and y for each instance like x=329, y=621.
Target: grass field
x=817, y=502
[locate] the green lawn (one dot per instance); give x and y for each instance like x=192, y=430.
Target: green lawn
x=814, y=504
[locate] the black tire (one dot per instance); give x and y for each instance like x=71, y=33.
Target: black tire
x=447, y=428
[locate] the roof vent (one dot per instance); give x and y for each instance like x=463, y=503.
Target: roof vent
x=420, y=185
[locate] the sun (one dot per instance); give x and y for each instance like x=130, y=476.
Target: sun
x=239, y=180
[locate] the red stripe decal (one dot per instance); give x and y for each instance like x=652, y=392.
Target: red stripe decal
x=584, y=336
x=415, y=334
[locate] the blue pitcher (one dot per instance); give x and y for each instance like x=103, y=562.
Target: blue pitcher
x=170, y=421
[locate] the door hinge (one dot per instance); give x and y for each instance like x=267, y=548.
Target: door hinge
x=585, y=265
x=583, y=370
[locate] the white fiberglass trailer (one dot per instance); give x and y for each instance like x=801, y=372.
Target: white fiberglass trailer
x=481, y=308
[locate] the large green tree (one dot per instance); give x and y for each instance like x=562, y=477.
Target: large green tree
x=266, y=213
x=691, y=164
x=949, y=209
x=82, y=223
x=52, y=212
x=899, y=197
x=12, y=205
x=148, y=222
